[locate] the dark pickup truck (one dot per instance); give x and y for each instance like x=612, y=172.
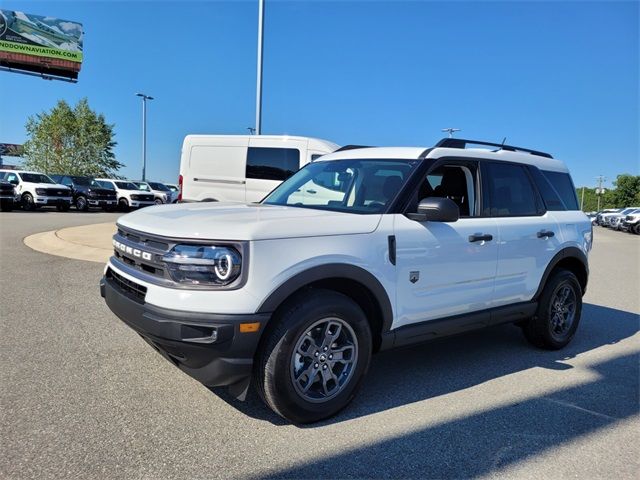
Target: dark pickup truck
x=87, y=193
x=7, y=196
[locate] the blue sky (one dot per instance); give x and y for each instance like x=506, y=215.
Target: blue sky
x=562, y=77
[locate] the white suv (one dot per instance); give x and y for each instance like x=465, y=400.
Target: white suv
x=405, y=245
x=36, y=190
x=129, y=196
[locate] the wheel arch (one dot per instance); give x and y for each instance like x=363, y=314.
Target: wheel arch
x=569, y=258
x=350, y=280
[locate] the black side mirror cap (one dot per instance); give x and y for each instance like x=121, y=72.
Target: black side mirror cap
x=436, y=209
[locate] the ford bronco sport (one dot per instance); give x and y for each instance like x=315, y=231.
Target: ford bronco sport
x=361, y=250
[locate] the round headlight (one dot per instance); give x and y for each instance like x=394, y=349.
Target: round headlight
x=203, y=264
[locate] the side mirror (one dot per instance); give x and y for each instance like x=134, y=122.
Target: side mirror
x=436, y=209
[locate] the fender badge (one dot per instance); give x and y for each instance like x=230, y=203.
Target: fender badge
x=414, y=277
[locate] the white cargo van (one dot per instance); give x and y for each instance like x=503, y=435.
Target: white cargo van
x=242, y=168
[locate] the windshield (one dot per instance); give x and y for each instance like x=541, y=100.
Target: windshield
x=35, y=178
x=173, y=188
x=159, y=186
x=141, y=186
x=354, y=186
x=126, y=185
x=85, y=181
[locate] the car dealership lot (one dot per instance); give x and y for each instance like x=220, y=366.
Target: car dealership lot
x=83, y=396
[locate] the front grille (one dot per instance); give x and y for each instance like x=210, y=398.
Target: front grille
x=57, y=192
x=143, y=197
x=132, y=289
x=142, y=252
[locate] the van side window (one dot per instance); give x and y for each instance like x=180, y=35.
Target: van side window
x=563, y=185
x=272, y=163
x=510, y=191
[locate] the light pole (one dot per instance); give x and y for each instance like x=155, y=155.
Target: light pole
x=258, y=129
x=144, y=133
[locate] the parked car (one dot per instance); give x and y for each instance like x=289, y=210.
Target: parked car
x=37, y=190
x=410, y=246
x=242, y=168
x=87, y=193
x=7, y=196
x=601, y=214
x=610, y=220
x=161, y=193
x=128, y=195
x=631, y=222
x=174, y=188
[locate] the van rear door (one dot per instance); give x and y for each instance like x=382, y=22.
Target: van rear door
x=269, y=162
x=215, y=169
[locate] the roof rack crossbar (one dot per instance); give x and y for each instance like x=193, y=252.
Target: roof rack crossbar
x=462, y=143
x=351, y=147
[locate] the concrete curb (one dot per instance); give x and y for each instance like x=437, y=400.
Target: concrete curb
x=91, y=243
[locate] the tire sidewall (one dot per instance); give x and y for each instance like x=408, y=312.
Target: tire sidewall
x=82, y=204
x=561, y=278
x=279, y=378
x=27, y=202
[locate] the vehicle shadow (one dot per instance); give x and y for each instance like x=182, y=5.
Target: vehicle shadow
x=482, y=443
x=408, y=375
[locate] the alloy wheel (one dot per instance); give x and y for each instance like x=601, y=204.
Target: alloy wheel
x=324, y=360
x=563, y=311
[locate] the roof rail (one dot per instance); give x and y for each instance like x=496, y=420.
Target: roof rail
x=462, y=143
x=351, y=147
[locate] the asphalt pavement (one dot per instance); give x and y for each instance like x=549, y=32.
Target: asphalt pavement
x=82, y=396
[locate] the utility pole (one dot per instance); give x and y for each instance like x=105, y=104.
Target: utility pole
x=451, y=131
x=144, y=133
x=599, y=191
x=582, y=200
x=258, y=128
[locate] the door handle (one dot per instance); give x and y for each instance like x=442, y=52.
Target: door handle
x=545, y=234
x=311, y=191
x=480, y=237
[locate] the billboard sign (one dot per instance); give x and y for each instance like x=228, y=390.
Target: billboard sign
x=40, y=44
x=11, y=149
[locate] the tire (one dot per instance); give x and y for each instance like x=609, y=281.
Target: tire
x=281, y=373
x=28, y=203
x=636, y=229
x=63, y=207
x=157, y=201
x=557, y=319
x=123, y=205
x=81, y=203
x=6, y=205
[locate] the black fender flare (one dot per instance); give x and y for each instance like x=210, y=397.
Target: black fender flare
x=567, y=252
x=331, y=270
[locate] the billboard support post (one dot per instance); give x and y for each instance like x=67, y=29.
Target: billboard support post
x=144, y=133
x=258, y=128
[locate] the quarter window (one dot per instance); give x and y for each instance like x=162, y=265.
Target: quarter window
x=563, y=185
x=272, y=163
x=510, y=191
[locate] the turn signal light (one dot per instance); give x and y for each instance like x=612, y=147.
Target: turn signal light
x=249, y=327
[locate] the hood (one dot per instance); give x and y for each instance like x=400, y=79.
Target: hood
x=239, y=221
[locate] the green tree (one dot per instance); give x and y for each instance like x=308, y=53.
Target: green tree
x=627, y=192
x=74, y=141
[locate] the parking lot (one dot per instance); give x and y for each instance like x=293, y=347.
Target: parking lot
x=84, y=397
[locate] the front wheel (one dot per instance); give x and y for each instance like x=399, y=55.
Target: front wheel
x=558, y=314
x=123, y=205
x=315, y=356
x=157, y=201
x=81, y=204
x=27, y=202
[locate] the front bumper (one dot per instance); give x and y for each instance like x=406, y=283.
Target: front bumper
x=208, y=347
x=140, y=204
x=42, y=200
x=98, y=202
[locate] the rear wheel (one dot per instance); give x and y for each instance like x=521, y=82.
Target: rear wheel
x=558, y=315
x=315, y=357
x=27, y=202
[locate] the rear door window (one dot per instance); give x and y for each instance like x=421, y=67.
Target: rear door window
x=511, y=192
x=266, y=163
